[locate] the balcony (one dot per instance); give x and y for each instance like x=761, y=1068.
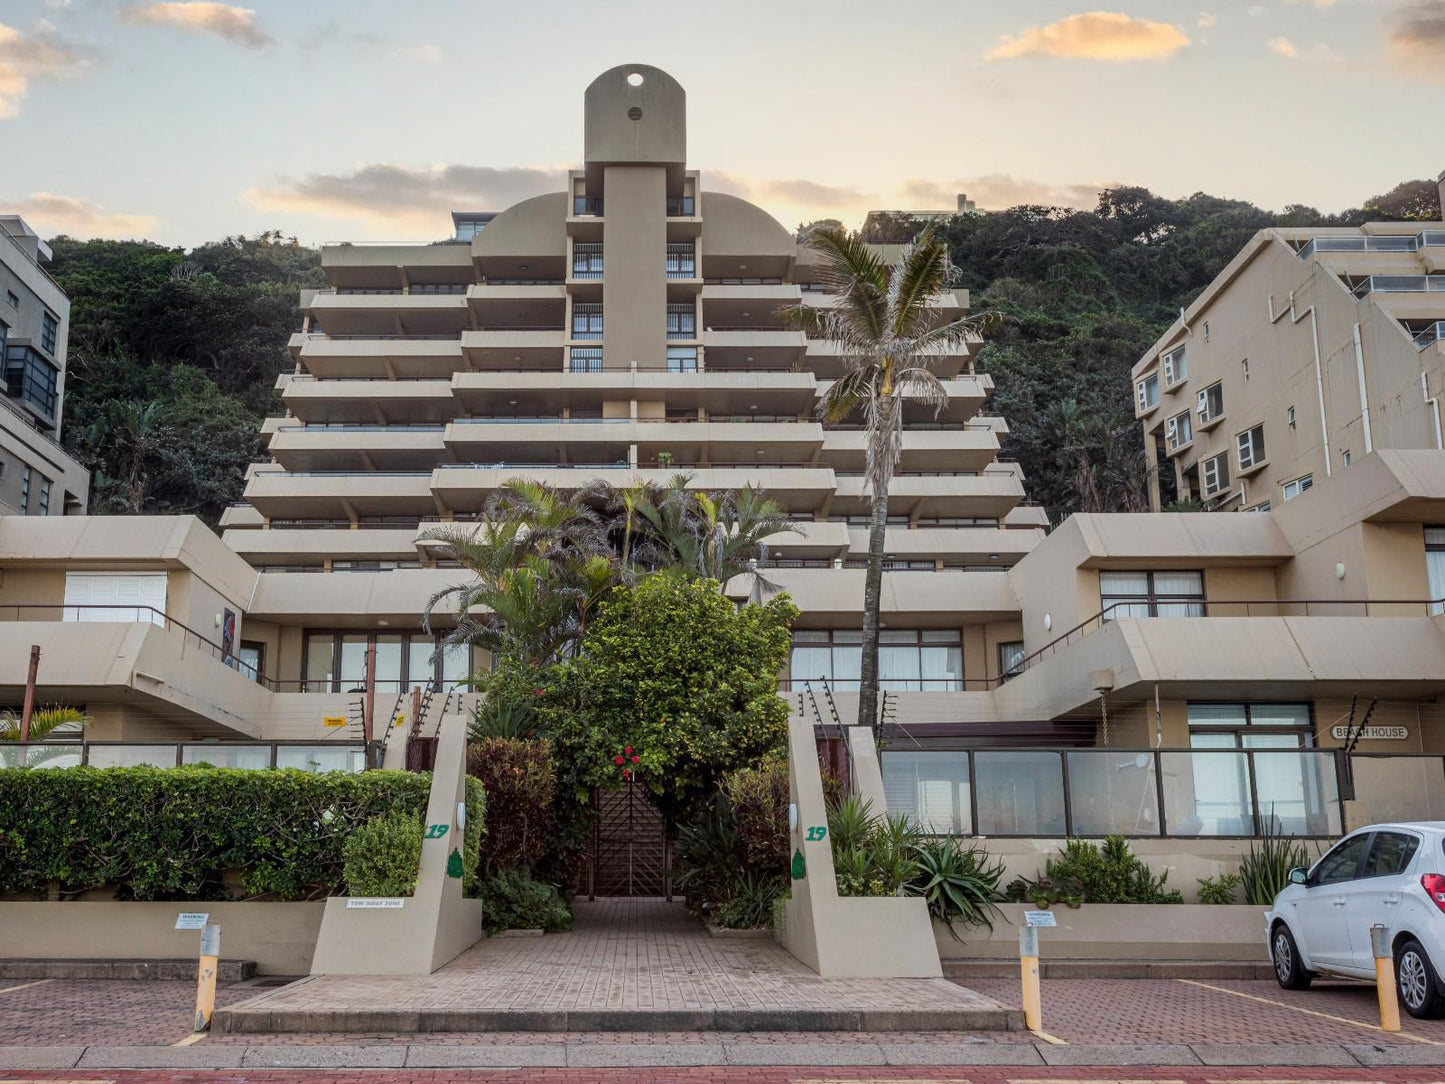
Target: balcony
x=340, y=494
x=910, y=599
x=742, y=348
x=586, y=390
x=825, y=358
x=465, y=487
x=543, y=440
x=373, y=314
x=31, y=380
x=281, y=546
x=394, y=265
x=1373, y=243
x=986, y=495
x=384, y=358
x=951, y=449
x=586, y=262
x=682, y=262
x=1399, y=284
x=387, y=401
x=357, y=447
x=1430, y=336
x=977, y=546
x=515, y=348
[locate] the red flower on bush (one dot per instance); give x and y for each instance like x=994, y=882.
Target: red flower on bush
x=538, y=690
x=616, y=760
x=635, y=759
x=628, y=751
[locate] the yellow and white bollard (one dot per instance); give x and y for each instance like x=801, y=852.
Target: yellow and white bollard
x=206, y=975
x=1029, y=965
x=1385, y=979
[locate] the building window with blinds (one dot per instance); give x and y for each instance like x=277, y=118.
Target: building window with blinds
x=1435, y=567
x=909, y=660
x=1294, y=791
x=1151, y=594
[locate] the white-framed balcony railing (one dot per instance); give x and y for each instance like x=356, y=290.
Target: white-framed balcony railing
x=1399, y=284
x=330, y=756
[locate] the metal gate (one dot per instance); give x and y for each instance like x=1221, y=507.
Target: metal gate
x=631, y=851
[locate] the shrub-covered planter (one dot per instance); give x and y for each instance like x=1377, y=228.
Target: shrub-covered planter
x=1119, y=931
x=188, y=833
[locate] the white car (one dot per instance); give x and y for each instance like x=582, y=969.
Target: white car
x=1388, y=874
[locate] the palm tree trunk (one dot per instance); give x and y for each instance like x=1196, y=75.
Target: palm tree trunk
x=872, y=599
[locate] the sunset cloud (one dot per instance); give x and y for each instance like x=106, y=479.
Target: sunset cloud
x=41, y=54
x=234, y=24
x=1417, y=36
x=78, y=217
x=418, y=199
x=1094, y=35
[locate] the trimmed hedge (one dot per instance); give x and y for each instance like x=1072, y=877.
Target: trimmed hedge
x=171, y=833
x=520, y=779
x=383, y=856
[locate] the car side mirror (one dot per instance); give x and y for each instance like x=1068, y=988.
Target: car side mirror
x=1299, y=876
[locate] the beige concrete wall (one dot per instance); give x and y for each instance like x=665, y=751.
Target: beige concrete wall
x=279, y=937
x=634, y=284
x=1104, y=931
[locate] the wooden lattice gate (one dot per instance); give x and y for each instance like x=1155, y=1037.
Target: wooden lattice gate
x=630, y=852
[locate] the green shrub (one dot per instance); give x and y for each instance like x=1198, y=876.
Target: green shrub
x=383, y=855
x=513, y=900
x=760, y=800
x=476, y=799
x=1045, y=892
x=1111, y=873
x=872, y=855
x=520, y=779
x=1264, y=871
x=172, y=833
x=957, y=881
x=1219, y=889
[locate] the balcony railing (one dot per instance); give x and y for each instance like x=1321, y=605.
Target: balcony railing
x=1399, y=284
x=1373, y=243
x=681, y=262
x=331, y=756
x=586, y=261
x=1431, y=335
x=685, y=207
x=1154, y=793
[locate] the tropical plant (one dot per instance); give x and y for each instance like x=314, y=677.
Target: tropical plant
x=520, y=779
x=1044, y=892
x=957, y=881
x=383, y=856
x=1264, y=871
x=1111, y=873
x=512, y=899
x=872, y=855
x=712, y=536
x=888, y=335
x=1219, y=889
x=43, y=722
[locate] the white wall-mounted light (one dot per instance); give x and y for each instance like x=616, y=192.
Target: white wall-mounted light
x=461, y=816
x=793, y=817
x=1048, y=622
x=1340, y=571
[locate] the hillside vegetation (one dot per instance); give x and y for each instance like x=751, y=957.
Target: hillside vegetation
x=174, y=355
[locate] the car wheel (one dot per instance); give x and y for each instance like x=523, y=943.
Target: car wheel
x=1289, y=971
x=1417, y=982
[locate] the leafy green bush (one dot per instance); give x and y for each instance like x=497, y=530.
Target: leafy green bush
x=760, y=800
x=520, y=779
x=957, y=882
x=383, y=855
x=1264, y=871
x=476, y=799
x=513, y=900
x=1110, y=874
x=172, y=833
x=872, y=855
x=1045, y=892
x=1219, y=889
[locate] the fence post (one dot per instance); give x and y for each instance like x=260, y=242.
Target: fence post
x=206, y=975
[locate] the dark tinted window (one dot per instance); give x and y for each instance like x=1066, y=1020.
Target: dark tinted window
x=1340, y=864
x=1391, y=853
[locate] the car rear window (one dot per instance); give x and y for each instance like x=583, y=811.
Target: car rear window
x=1390, y=854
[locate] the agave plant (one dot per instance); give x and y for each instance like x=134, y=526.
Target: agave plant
x=957, y=881
x=1264, y=871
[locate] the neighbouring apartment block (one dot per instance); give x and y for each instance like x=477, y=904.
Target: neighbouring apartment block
x=37, y=476
x=1186, y=675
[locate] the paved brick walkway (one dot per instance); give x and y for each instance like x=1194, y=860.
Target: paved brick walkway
x=623, y=956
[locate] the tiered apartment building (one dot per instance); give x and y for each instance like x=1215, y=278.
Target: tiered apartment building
x=1310, y=350
x=37, y=476
x=1184, y=675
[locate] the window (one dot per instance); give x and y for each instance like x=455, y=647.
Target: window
x=1250, y=725
x=1435, y=567
x=49, y=331
x=29, y=377
x=11, y=299
x=1175, y=368
x=336, y=661
x=585, y=359
x=1289, y=416
x=586, y=261
x=908, y=660
x=681, y=261
x=115, y=596
x=44, y=507
x=1010, y=659
x=1206, y=331
x=1299, y=485
x=1250, y=447
x=1214, y=473
x=1347, y=457
x=1151, y=594
x=1178, y=431
x=25, y=492
x=1343, y=863
x=1390, y=854
x=1146, y=393
x=251, y=659
x=681, y=322
x=682, y=359
x=1211, y=403
x=586, y=321
x=1263, y=506
x=1244, y=366
x=1293, y=791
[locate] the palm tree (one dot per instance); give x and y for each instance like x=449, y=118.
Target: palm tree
x=43, y=722
x=712, y=536
x=887, y=335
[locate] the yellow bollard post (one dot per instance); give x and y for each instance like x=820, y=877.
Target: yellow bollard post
x=1029, y=965
x=1385, y=979
x=206, y=975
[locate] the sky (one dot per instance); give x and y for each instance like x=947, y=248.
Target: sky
x=333, y=120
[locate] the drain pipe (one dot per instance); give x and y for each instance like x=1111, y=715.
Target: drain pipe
x=1274, y=318
x=1364, y=394
x=1434, y=402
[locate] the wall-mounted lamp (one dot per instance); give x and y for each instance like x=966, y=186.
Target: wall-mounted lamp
x=1048, y=622
x=1340, y=571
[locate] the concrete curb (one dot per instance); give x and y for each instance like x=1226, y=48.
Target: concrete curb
x=227, y=971
x=960, y=971
x=724, y=1052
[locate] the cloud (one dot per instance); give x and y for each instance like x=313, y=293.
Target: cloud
x=1417, y=36
x=799, y=193
x=234, y=24
x=1094, y=35
x=79, y=217
x=402, y=197
x=41, y=54
x=431, y=56
x=1319, y=5
x=1315, y=53
x=1206, y=20
x=1284, y=47
x=996, y=191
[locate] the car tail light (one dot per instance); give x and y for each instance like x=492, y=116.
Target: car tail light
x=1434, y=885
